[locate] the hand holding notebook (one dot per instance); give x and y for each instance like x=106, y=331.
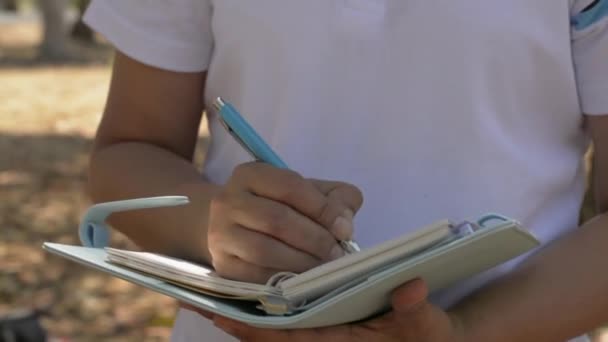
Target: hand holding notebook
x=348, y=289
x=339, y=290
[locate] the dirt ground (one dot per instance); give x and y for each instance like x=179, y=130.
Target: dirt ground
x=48, y=115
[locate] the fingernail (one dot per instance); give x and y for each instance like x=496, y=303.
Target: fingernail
x=336, y=252
x=342, y=228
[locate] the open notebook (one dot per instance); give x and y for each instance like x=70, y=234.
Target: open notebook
x=351, y=288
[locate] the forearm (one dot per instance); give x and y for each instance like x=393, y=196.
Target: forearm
x=556, y=295
x=130, y=170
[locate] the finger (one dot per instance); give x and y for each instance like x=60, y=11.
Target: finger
x=409, y=296
x=234, y=268
x=344, y=201
x=418, y=319
x=265, y=251
x=281, y=185
x=287, y=187
x=350, y=196
x=285, y=224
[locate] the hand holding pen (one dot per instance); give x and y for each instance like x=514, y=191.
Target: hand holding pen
x=268, y=218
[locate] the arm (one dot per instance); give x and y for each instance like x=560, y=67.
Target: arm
x=561, y=292
x=144, y=147
x=264, y=220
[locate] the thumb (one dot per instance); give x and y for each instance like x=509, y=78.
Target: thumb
x=418, y=318
x=409, y=296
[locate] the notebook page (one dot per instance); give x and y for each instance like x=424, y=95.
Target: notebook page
x=321, y=285
x=358, y=257
x=332, y=274
x=186, y=273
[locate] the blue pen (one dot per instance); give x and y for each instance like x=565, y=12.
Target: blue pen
x=250, y=140
x=245, y=135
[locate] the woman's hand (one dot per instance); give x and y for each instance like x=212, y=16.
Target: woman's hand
x=268, y=220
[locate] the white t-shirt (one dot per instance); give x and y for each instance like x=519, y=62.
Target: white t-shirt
x=435, y=109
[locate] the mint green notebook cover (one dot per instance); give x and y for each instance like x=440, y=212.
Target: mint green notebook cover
x=440, y=268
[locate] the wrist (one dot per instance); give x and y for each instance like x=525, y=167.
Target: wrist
x=193, y=243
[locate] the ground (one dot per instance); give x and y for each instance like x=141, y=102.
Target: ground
x=48, y=115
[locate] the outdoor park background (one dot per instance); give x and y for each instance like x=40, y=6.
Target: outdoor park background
x=53, y=83
x=51, y=99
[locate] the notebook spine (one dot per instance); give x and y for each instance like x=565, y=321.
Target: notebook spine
x=276, y=280
x=277, y=305
x=467, y=227
x=464, y=228
x=483, y=221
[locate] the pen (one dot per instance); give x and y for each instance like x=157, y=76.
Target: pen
x=248, y=138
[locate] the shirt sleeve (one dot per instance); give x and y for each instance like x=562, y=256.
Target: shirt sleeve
x=590, y=54
x=172, y=35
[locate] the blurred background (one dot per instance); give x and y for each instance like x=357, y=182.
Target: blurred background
x=54, y=75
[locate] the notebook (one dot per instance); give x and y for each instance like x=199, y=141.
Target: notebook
x=351, y=288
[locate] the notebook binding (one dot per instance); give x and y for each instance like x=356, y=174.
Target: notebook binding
x=277, y=279
x=275, y=305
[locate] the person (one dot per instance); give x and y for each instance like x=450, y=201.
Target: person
x=391, y=114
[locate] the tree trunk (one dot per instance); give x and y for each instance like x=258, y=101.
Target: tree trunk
x=54, y=42
x=8, y=5
x=80, y=30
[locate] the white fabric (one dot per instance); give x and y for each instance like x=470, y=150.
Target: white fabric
x=442, y=109
x=590, y=54
x=157, y=32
